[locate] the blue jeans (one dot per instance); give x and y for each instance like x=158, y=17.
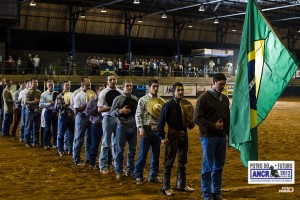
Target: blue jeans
x=96, y=135
x=65, y=133
x=7, y=121
x=23, y=122
x=125, y=134
x=82, y=132
x=50, y=122
x=32, y=126
x=109, y=125
x=214, y=153
x=154, y=141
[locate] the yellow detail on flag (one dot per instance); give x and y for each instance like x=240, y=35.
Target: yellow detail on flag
x=253, y=118
x=259, y=62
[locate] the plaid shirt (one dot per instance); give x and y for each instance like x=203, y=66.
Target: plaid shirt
x=142, y=116
x=116, y=109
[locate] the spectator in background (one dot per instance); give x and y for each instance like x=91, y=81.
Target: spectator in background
x=36, y=63
x=10, y=65
x=2, y=86
x=19, y=66
x=30, y=66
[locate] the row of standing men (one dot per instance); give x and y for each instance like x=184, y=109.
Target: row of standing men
x=95, y=117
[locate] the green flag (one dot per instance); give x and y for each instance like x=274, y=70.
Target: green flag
x=265, y=67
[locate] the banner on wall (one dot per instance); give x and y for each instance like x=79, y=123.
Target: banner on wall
x=166, y=90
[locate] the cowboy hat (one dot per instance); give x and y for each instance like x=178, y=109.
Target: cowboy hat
x=131, y=104
x=110, y=95
x=154, y=106
x=67, y=97
x=187, y=111
x=90, y=94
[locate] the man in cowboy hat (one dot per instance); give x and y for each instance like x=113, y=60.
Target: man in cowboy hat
x=176, y=140
x=212, y=115
x=147, y=129
x=109, y=124
x=123, y=108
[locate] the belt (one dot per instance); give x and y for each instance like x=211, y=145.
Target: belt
x=128, y=125
x=174, y=131
x=150, y=127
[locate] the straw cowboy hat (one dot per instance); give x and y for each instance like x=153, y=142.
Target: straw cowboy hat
x=90, y=94
x=154, y=106
x=187, y=111
x=110, y=95
x=67, y=97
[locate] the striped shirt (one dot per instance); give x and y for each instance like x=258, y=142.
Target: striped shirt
x=142, y=116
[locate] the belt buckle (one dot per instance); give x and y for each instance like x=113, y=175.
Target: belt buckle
x=153, y=128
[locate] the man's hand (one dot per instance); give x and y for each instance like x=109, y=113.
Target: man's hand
x=142, y=133
x=219, y=125
x=126, y=110
x=165, y=141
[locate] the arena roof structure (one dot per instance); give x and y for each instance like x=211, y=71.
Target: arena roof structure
x=184, y=20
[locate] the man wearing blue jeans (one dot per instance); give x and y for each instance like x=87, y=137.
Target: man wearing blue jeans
x=66, y=121
x=212, y=115
x=82, y=126
x=95, y=118
x=32, y=114
x=147, y=129
x=123, y=108
x=109, y=124
x=50, y=115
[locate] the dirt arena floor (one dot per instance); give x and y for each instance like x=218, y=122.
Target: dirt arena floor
x=33, y=173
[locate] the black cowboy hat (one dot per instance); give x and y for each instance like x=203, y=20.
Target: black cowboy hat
x=110, y=95
x=130, y=104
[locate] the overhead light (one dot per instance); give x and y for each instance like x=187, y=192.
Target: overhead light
x=32, y=3
x=190, y=26
x=103, y=10
x=136, y=2
x=140, y=20
x=201, y=8
x=82, y=16
x=233, y=30
x=164, y=16
x=216, y=21
x=299, y=31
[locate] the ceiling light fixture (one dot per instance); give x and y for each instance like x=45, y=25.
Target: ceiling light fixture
x=299, y=31
x=201, y=8
x=216, y=21
x=103, y=10
x=32, y=3
x=233, y=30
x=190, y=26
x=140, y=20
x=82, y=16
x=164, y=16
x=136, y=2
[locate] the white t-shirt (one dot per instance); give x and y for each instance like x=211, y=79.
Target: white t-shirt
x=80, y=99
x=101, y=99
